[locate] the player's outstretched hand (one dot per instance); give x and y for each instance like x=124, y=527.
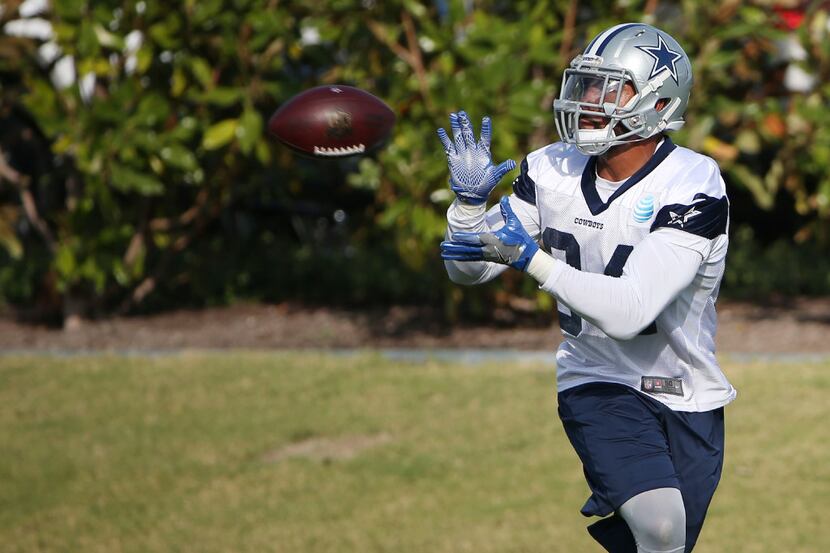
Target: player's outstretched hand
x=472, y=173
x=510, y=245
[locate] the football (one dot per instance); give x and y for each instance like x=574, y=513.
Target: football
x=332, y=121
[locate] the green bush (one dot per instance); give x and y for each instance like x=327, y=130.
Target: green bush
x=158, y=187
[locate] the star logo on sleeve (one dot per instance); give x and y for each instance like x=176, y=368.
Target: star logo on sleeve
x=664, y=58
x=682, y=218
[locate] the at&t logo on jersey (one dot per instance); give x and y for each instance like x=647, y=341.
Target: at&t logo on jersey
x=644, y=209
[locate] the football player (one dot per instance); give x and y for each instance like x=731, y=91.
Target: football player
x=628, y=231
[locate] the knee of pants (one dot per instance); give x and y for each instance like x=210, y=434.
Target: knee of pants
x=657, y=519
x=661, y=533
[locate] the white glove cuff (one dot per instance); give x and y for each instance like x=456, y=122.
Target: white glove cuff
x=469, y=211
x=469, y=217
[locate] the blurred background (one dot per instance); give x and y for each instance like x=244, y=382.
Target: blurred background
x=161, y=259
x=136, y=175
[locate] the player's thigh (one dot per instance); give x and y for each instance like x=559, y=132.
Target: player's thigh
x=697, y=444
x=621, y=442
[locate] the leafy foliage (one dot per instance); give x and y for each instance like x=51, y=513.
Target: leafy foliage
x=150, y=182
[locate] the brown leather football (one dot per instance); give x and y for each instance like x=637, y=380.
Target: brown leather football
x=332, y=121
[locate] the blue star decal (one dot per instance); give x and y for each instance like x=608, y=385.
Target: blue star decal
x=664, y=58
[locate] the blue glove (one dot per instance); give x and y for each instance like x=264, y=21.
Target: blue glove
x=472, y=173
x=510, y=245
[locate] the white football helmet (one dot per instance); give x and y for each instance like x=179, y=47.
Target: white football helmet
x=610, y=93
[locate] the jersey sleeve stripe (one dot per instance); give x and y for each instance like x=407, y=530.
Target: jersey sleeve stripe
x=705, y=216
x=523, y=186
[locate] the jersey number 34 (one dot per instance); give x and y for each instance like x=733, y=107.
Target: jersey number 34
x=553, y=239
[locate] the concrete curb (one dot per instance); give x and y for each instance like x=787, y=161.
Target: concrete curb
x=410, y=355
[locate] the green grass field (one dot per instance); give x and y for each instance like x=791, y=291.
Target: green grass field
x=309, y=453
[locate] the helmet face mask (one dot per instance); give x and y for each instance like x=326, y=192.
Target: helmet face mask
x=615, y=98
x=596, y=108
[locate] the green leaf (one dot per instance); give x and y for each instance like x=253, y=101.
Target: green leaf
x=219, y=134
x=179, y=157
x=8, y=236
x=65, y=262
x=222, y=96
x=107, y=39
x=87, y=41
x=249, y=130
x=167, y=33
x=396, y=213
x=152, y=110
x=368, y=176
x=178, y=82
x=127, y=180
x=201, y=70
x=144, y=58
x=263, y=152
x=755, y=184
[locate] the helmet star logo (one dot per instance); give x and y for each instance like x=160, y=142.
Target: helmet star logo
x=664, y=58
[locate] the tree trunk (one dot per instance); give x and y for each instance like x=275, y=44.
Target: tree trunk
x=74, y=310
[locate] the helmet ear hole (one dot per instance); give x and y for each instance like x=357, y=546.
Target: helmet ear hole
x=661, y=104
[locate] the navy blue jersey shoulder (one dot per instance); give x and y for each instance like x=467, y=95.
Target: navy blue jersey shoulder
x=523, y=186
x=705, y=216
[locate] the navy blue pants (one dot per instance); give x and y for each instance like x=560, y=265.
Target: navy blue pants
x=630, y=443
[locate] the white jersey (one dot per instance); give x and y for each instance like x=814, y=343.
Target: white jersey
x=678, y=194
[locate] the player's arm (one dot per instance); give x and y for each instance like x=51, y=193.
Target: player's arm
x=463, y=218
x=509, y=245
x=661, y=266
x=472, y=177
x=658, y=269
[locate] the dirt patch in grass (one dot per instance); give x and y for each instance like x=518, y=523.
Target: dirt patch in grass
x=325, y=449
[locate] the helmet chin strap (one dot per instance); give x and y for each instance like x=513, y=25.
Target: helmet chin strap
x=654, y=84
x=651, y=86
x=670, y=109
